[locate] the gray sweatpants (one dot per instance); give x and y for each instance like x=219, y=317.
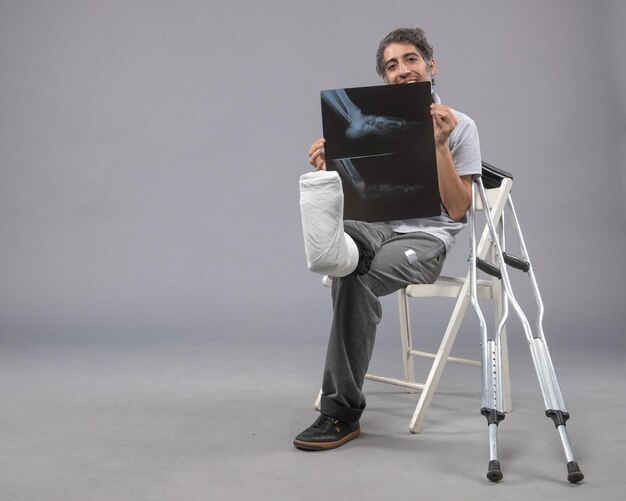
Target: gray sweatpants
x=401, y=259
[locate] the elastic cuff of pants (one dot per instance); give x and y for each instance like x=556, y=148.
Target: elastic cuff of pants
x=339, y=411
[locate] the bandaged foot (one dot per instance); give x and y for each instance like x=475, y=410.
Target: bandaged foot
x=329, y=250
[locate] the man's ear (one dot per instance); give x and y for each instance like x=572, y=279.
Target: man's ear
x=432, y=66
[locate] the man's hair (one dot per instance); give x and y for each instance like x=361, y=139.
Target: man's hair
x=415, y=36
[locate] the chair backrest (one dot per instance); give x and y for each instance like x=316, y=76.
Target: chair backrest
x=492, y=179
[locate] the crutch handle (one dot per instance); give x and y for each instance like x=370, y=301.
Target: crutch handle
x=488, y=268
x=516, y=262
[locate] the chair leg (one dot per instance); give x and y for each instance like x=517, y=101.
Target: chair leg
x=406, y=339
x=436, y=370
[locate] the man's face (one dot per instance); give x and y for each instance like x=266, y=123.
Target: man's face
x=403, y=63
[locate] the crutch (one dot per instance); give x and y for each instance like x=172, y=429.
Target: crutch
x=553, y=399
x=492, y=399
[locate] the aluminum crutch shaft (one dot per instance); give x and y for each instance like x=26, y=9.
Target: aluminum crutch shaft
x=492, y=406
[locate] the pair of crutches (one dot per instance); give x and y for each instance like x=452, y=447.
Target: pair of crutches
x=492, y=395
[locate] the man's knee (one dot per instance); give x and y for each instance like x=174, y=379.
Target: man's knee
x=368, y=237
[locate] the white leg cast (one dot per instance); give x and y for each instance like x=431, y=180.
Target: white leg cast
x=329, y=250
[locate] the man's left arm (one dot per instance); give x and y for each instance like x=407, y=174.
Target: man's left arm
x=455, y=191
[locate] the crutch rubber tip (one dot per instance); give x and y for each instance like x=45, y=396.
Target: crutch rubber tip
x=494, y=474
x=574, y=475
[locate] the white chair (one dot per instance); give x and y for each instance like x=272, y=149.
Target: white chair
x=456, y=288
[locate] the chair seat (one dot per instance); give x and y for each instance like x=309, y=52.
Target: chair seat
x=445, y=286
x=450, y=287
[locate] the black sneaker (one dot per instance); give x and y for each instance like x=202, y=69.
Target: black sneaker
x=326, y=433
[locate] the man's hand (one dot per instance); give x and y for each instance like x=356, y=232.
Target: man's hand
x=444, y=122
x=317, y=157
x=455, y=192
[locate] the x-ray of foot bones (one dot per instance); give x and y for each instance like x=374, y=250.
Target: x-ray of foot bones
x=360, y=125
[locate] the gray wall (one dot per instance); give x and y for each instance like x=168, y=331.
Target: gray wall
x=150, y=153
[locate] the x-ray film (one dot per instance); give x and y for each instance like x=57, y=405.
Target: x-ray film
x=380, y=140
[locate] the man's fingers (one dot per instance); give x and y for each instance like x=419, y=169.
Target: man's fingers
x=442, y=120
x=443, y=114
x=316, y=146
x=317, y=159
x=316, y=154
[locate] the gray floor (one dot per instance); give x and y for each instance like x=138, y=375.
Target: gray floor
x=201, y=421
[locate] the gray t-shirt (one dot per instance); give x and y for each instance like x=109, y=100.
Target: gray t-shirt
x=465, y=148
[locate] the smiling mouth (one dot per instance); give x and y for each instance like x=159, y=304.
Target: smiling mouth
x=411, y=80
